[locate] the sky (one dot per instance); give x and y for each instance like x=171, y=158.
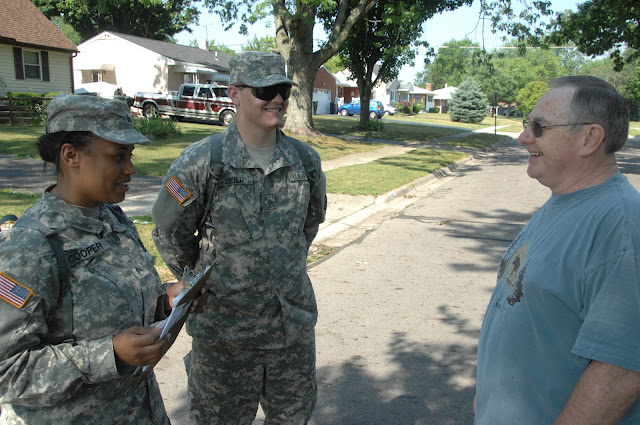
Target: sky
x=458, y=24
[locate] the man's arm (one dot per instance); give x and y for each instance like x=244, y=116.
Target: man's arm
x=602, y=396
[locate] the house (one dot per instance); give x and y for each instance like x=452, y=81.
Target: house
x=35, y=56
x=407, y=92
x=141, y=64
x=442, y=97
x=333, y=90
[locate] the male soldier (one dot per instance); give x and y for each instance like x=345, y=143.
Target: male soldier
x=251, y=199
x=560, y=342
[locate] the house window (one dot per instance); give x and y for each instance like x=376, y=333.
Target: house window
x=96, y=76
x=31, y=63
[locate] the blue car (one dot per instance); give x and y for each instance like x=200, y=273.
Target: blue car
x=376, y=109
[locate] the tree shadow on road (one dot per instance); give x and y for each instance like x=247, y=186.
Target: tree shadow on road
x=424, y=390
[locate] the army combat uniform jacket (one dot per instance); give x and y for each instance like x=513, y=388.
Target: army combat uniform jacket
x=114, y=286
x=257, y=225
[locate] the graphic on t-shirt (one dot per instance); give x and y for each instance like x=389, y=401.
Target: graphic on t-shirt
x=512, y=272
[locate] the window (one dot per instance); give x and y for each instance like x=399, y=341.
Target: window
x=205, y=92
x=31, y=62
x=221, y=92
x=188, y=91
x=96, y=76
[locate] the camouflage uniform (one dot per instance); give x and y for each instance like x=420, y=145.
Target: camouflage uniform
x=262, y=310
x=114, y=286
x=56, y=369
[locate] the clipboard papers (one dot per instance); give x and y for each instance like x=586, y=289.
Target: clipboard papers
x=181, y=304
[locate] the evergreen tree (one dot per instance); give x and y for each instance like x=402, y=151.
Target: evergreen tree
x=468, y=103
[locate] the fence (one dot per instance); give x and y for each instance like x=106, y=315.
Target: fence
x=30, y=110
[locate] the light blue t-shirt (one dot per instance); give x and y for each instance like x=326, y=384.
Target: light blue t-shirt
x=568, y=291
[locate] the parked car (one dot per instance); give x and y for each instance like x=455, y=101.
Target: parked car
x=389, y=110
x=208, y=102
x=376, y=109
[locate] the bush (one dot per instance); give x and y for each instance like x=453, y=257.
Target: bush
x=434, y=110
x=33, y=111
x=403, y=107
x=417, y=107
x=157, y=127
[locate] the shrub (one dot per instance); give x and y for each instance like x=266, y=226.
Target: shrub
x=403, y=106
x=434, y=110
x=417, y=107
x=157, y=127
x=468, y=103
x=32, y=111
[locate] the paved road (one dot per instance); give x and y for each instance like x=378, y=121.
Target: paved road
x=401, y=306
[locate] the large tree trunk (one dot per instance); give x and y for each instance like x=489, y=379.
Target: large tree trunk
x=294, y=35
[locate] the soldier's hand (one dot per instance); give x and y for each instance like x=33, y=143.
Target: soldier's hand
x=197, y=306
x=137, y=345
x=172, y=292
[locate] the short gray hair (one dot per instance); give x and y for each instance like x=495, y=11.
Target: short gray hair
x=598, y=102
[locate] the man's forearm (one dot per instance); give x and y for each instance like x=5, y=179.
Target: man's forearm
x=602, y=396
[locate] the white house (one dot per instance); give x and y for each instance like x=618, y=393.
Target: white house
x=35, y=56
x=407, y=92
x=443, y=96
x=141, y=64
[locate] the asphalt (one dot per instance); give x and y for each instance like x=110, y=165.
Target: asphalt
x=401, y=299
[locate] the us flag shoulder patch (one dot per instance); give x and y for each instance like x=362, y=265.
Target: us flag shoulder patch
x=177, y=190
x=13, y=292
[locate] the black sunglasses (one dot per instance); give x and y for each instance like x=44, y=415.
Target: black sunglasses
x=537, y=128
x=268, y=93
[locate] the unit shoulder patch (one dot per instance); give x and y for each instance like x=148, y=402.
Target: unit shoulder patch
x=177, y=190
x=14, y=292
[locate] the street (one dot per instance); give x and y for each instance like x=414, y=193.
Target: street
x=400, y=308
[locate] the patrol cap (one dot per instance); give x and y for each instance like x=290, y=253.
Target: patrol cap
x=258, y=69
x=106, y=118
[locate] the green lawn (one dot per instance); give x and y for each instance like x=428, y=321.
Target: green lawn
x=444, y=119
x=385, y=174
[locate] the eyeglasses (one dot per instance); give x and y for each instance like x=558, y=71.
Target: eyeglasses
x=268, y=93
x=537, y=128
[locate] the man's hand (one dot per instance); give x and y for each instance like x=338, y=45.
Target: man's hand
x=137, y=346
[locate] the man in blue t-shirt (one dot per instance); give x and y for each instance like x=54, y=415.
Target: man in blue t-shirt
x=560, y=342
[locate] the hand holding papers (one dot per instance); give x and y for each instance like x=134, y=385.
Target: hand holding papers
x=193, y=285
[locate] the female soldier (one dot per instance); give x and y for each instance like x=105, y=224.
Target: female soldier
x=78, y=290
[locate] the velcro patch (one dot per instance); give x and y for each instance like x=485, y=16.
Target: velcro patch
x=13, y=292
x=177, y=190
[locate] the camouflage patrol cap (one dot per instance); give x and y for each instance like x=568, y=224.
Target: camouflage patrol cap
x=106, y=118
x=258, y=69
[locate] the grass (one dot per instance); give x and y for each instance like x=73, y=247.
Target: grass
x=335, y=124
x=634, y=128
x=385, y=174
x=16, y=202
x=444, y=119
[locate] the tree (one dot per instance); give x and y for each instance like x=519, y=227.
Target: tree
x=452, y=63
x=529, y=95
x=530, y=65
x=335, y=64
x=493, y=81
x=294, y=22
x=67, y=30
x=212, y=46
x=600, y=26
x=381, y=41
x=267, y=43
x=468, y=103
x=156, y=19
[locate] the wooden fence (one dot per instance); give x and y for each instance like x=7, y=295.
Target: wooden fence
x=14, y=110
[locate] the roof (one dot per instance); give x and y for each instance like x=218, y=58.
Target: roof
x=445, y=93
x=180, y=53
x=22, y=24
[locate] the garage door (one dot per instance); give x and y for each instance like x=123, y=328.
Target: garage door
x=323, y=97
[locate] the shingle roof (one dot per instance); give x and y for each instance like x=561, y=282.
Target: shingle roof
x=187, y=54
x=22, y=24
